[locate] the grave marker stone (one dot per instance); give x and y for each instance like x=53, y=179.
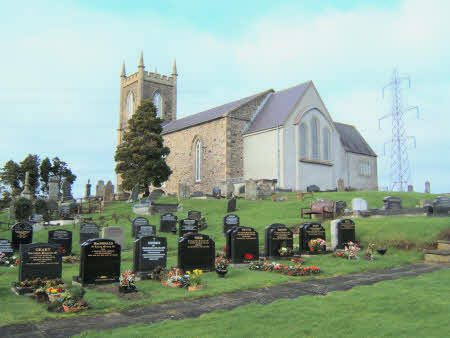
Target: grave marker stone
x=188, y=225
x=195, y=214
x=21, y=233
x=342, y=232
x=99, y=189
x=392, y=203
x=99, y=262
x=88, y=231
x=359, y=204
x=137, y=222
x=228, y=241
x=250, y=190
x=145, y=230
x=196, y=251
x=277, y=237
x=53, y=188
x=149, y=253
x=244, y=240
x=156, y=194
x=40, y=260
x=231, y=204
x=116, y=234
x=230, y=221
x=108, y=192
x=184, y=192
x=309, y=231
x=168, y=222
x=6, y=247
x=62, y=238
x=134, y=194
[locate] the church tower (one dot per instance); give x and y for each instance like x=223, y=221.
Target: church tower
x=161, y=89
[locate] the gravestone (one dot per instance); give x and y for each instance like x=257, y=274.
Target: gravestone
x=184, y=192
x=244, y=240
x=250, y=190
x=64, y=212
x=439, y=207
x=137, y=222
x=108, y=192
x=195, y=214
x=88, y=231
x=230, y=189
x=216, y=192
x=168, y=222
x=156, y=194
x=145, y=231
x=116, y=234
x=149, y=252
x=196, y=251
x=342, y=232
x=312, y=188
x=99, y=189
x=359, y=204
x=427, y=187
x=340, y=185
x=339, y=207
x=134, y=194
x=392, y=203
x=99, y=262
x=6, y=247
x=40, y=260
x=53, y=188
x=309, y=231
x=67, y=191
x=21, y=233
x=87, y=193
x=26, y=192
x=228, y=241
x=188, y=225
x=277, y=236
x=231, y=204
x=36, y=218
x=62, y=238
x=230, y=221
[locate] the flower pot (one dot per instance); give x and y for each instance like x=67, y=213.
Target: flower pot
x=381, y=251
x=195, y=288
x=221, y=272
x=54, y=297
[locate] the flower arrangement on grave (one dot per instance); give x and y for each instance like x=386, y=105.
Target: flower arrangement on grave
x=30, y=286
x=297, y=260
x=194, y=280
x=9, y=261
x=369, y=252
x=248, y=257
x=221, y=263
x=72, y=259
x=255, y=265
x=317, y=244
x=127, y=282
x=176, y=278
x=286, y=252
x=289, y=270
x=72, y=300
x=350, y=251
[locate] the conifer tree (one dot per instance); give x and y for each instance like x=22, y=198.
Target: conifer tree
x=141, y=157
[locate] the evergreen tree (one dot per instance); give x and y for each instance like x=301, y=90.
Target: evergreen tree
x=30, y=164
x=141, y=157
x=61, y=170
x=44, y=171
x=10, y=177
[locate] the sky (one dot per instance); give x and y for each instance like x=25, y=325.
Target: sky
x=61, y=63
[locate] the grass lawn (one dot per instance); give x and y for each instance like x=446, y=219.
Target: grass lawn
x=383, y=231
x=408, y=307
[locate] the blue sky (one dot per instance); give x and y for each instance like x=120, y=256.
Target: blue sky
x=61, y=62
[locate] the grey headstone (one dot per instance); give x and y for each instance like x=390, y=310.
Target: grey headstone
x=116, y=234
x=313, y=188
x=108, y=192
x=250, y=190
x=99, y=189
x=53, y=188
x=359, y=204
x=134, y=194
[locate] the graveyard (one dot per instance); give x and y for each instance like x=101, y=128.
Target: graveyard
x=403, y=236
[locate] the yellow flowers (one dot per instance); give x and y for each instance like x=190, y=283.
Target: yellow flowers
x=188, y=272
x=198, y=272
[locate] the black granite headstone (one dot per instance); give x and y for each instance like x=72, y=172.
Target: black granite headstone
x=196, y=251
x=266, y=236
x=88, y=231
x=136, y=222
x=149, y=253
x=345, y=232
x=231, y=205
x=188, y=225
x=309, y=231
x=244, y=241
x=195, y=214
x=40, y=260
x=63, y=238
x=6, y=247
x=228, y=241
x=21, y=233
x=230, y=221
x=167, y=223
x=392, y=203
x=277, y=238
x=145, y=230
x=99, y=261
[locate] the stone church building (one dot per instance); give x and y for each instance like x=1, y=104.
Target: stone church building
x=286, y=135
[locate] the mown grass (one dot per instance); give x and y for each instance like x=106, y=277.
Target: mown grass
x=408, y=307
x=259, y=214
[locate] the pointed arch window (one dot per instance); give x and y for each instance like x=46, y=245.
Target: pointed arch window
x=326, y=144
x=315, y=138
x=157, y=101
x=303, y=141
x=198, y=160
x=130, y=104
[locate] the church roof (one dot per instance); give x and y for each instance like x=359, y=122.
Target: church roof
x=352, y=141
x=206, y=115
x=277, y=109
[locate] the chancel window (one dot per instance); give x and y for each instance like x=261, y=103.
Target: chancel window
x=315, y=138
x=157, y=101
x=326, y=144
x=303, y=141
x=365, y=168
x=198, y=161
x=130, y=104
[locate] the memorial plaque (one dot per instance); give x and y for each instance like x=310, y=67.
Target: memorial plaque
x=116, y=234
x=168, y=222
x=230, y=221
x=136, y=222
x=21, y=233
x=228, y=242
x=40, y=260
x=188, y=225
x=145, y=230
x=196, y=251
x=88, y=231
x=309, y=231
x=244, y=241
x=278, y=237
x=99, y=261
x=6, y=247
x=266, y=236
x=194, y=214
x=149, y=253
x=63, y=238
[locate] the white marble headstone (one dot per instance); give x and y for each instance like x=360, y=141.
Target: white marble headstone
x=359, y=204
x=334, y=233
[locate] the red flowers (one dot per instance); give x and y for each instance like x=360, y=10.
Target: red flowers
x=224, y=250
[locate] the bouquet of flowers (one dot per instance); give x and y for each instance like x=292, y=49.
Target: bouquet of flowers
x=256, y=266
x=8, y=260
x=221, y=263
x=248, y=257
x=176, y=278
x=286, y=252
x=369, y=252
x=194, y=277
x=127, y=281
x=317, y=244
x=350, y=251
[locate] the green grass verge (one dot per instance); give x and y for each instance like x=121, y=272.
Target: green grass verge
x=408, y=307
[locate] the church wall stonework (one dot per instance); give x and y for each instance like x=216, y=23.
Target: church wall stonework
x=166, y=91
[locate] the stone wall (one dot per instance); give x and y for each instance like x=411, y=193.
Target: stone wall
x=166, y=90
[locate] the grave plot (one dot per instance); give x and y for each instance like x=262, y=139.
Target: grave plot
x=196, y=251
x=279, y=241
x=149, y=253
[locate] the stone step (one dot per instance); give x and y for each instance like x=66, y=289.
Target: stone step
x=437, y=256
x=443, y=245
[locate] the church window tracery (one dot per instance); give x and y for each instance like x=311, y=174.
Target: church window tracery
x=303, y=141
x=198, y=161
x=157, y=101
x=326, y=144
x=130, y=104
x=315, y=138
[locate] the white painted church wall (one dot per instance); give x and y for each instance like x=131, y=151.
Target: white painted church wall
x=361, y=180
x=260, y=155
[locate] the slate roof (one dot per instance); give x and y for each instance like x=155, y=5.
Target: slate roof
x=206, y=115
x=277, y=108
x=352, y=141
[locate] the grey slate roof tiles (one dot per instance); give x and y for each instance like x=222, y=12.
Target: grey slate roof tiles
x=352, y=141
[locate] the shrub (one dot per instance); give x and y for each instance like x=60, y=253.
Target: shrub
x=23, y=208
x=41, y=207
